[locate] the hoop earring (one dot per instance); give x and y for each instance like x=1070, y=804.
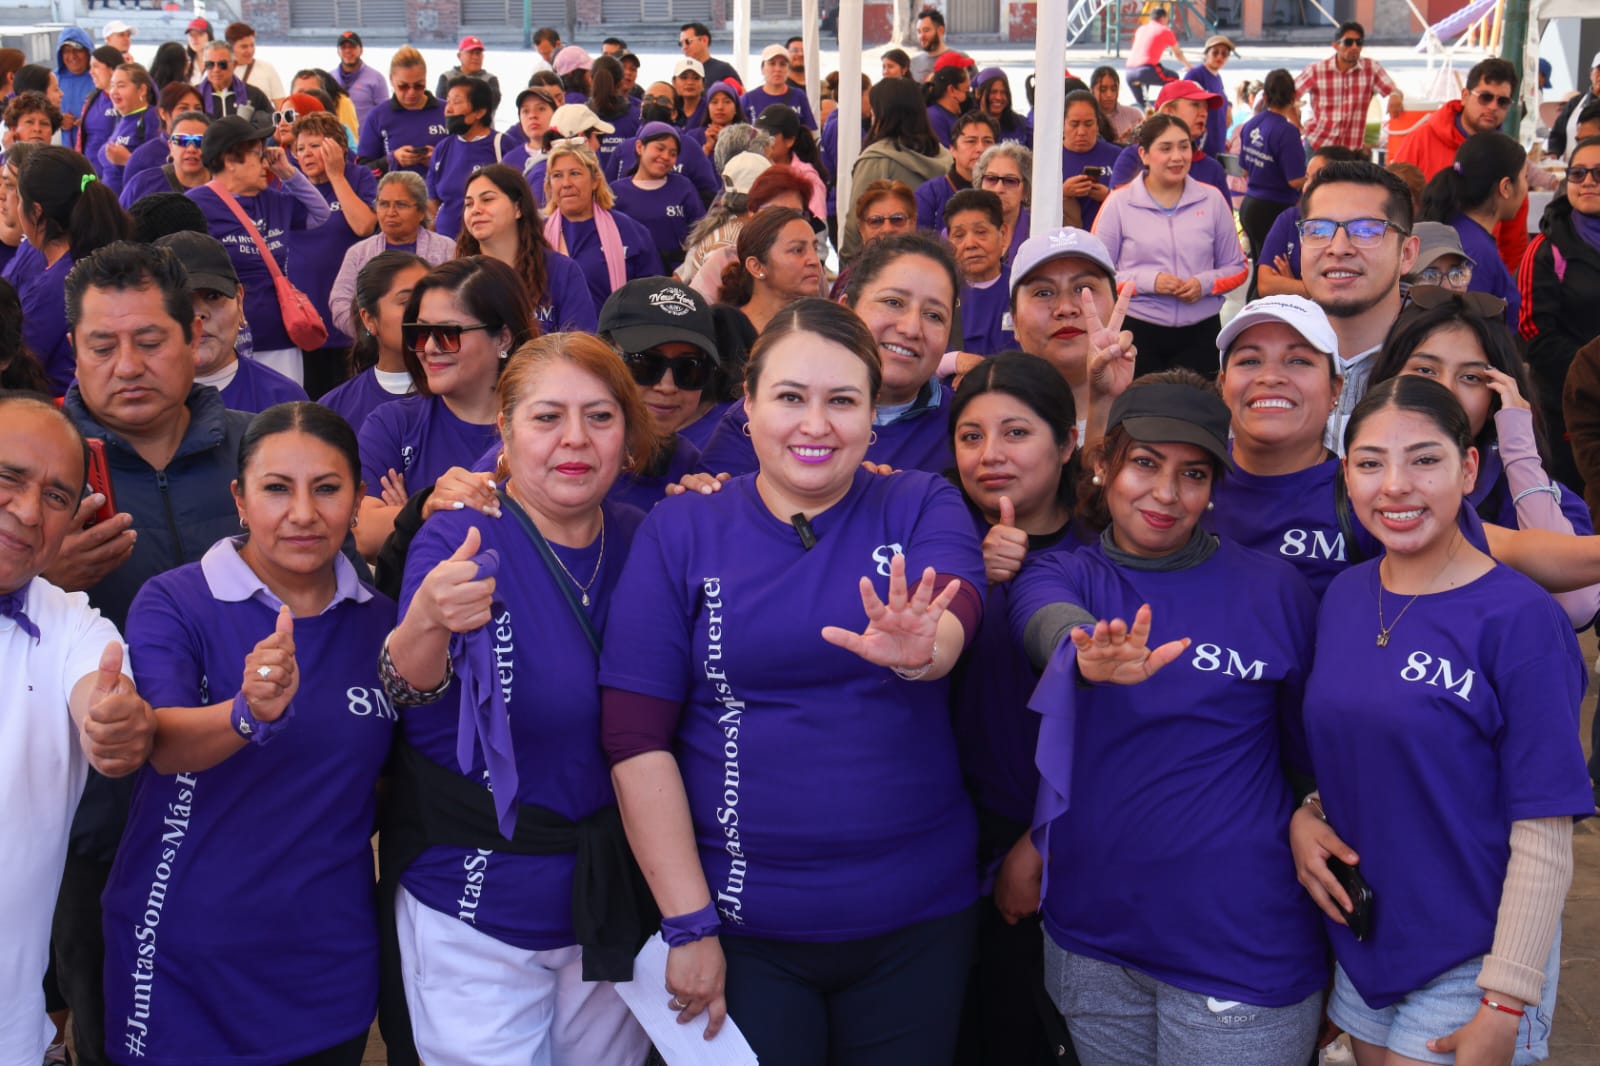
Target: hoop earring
x=747, y=429
x=872, y=438
x=244, y=524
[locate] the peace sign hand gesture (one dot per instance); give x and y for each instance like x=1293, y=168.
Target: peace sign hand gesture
x=1111, y=348
x=899, y=633
x=1118, y=654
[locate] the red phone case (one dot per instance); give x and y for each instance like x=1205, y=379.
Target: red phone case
x=100, y=479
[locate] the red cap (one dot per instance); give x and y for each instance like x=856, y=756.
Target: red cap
x=199, y=24
x=1188, y=90
x=471, y=44
x=300, y=104
x=953, y=59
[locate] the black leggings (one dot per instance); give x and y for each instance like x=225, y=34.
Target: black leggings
x=1165, y=347
x=886, y=999
x=349, y=1053
x=1256, y=218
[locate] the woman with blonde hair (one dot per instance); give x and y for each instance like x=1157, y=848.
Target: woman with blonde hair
x=611, y=248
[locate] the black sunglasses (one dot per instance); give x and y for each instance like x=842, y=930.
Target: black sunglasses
x=1481, y=304
x=1579, y=175
x=217, y=64
x=1353, y=42
x=446, y=335
x=688, y=371
x=1485, y=99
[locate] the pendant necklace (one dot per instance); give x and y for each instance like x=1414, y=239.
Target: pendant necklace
x=1385, y=630
x=599, y=559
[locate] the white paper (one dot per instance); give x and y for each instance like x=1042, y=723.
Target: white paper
x=680, y=1045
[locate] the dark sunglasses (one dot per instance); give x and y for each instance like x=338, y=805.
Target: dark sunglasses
x=1352, y=42
x=1579, y=175
x=446, y=335
x=1486, y=98
x=410, y=86
x=1481, y=304
x=217, y=64
x=284, y=117
x=186, y=140
x=896, y=219
x=688, y=371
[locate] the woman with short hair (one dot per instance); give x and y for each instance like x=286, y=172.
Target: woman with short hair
x=401, y=211
x=610, y=247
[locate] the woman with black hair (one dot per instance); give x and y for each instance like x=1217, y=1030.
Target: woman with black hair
x=19, y=370
x=138, y=123
x=607, y=100
x=172, y=63
x=901, y=147
x=66, y=213
x=377, y=368
x=896, y=64
x=991, y=91
x=1487, y=185
x=948, y=93
x=1273, y=158
x=656, y=196
x=793, y=146
x=471, y=145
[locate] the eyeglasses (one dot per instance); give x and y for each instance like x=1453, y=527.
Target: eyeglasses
x=446, y=335
x=410, y=86
x=1363, y=232
x=1481, y=304
x=1580, y=175
x=688, y=371
x=217, y=64
x=1352, y=42
x=685, y=42
x=1456, y=275
x=285, y=117
x=1010, y=181
x=896, y=219
x=1487, y=98
x=186, y=140
x=395, y=205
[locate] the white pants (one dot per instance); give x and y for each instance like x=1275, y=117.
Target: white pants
x=286, y=361
x=475, y=999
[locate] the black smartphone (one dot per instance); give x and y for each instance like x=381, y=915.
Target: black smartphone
x=1359, y=916
x=1094, y=172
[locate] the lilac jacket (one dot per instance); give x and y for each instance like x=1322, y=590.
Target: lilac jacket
x=431, y=246
x=1196, y=240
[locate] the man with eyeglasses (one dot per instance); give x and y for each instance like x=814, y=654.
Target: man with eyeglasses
x=1432, y=145
x=694, y=38
x=1355, y=245
x=1339, y=88
x=400, y=134
x=222, y=93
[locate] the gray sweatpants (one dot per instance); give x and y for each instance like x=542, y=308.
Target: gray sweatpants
x=1121, y=1017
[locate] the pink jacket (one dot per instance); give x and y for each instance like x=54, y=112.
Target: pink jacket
x=1197, y=239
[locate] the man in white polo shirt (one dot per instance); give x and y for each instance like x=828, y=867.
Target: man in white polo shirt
x=65, y=704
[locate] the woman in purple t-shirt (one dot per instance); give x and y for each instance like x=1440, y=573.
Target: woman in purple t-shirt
x=611, y=248
x=791, y=786
x=775, y=264
x=1443, y=735
x=377, y=365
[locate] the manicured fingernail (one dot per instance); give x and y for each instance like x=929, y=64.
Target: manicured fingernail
x=491, y=484
x=458, y=505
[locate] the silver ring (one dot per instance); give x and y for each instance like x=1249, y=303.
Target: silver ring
x=678, y=1004
x=263, y=672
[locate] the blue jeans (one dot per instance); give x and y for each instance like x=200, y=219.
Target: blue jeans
x=1156, y=75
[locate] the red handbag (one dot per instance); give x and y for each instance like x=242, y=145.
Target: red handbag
x=300, y=318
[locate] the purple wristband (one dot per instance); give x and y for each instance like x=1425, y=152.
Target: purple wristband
x=253, y=729
x=687, y=928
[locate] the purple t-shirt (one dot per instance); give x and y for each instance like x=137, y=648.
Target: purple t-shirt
x=643, y=492
x=153, y=153
x=943, y=123
x=700, y=430
x=983, y=316
x=99, y=119
x=667, y=213
x=209, y=905
x=136, y=187
x=568, y=303
x=1183, y=772
x=421, y=438
x=1283, y=239
x=131, y=131
x=42, y=293
x=918, y=440
x=758, y=100
x=825, y=792
x=275, y=212
x=639, y=258
x=319, y=251
x=1489, y=273
x=256, y=387
x=1428, y=749
x=1216, y=140
x=454, y=162
x=1104, y=154
x=1272, y=154
x=693, y=163
x=357, y=398
x=547, y=669
x=390, y=126
x=627, y=127
x=931, y=197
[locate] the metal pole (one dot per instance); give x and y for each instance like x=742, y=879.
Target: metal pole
x=850, y=16
x=527, y=25
x=1514, y=48
x=741, y=42
x=809, y=21
x=1049, y=104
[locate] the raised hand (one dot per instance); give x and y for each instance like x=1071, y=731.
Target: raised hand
x=90, y=552
x=271, y=675
x=1505, y=386
x=393, y=485
x=119, y=729
x=1119, y=654
x=1111, y=348
x=459, y=488
x=1005, y=548
x=332, y=157
x=277, y=161
x=453, y=596
x=899, y=633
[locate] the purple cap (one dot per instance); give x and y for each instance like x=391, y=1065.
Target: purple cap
x=723, y=87
x=988, y=74
x=651, y=130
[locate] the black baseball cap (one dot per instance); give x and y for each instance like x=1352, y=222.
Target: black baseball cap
x=226, y=133
x=1170, y=413
x=647, y=311
x=349, y=37
x=205, y=260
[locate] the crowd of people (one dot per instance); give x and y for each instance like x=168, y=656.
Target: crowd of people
x=966, y=654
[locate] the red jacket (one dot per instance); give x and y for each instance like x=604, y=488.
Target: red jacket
x=1432, y=145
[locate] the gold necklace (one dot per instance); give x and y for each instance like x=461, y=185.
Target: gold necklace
x=1385, y=630
x=599, y=559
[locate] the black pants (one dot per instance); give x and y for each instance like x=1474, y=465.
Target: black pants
x=1256, y=218
x=80, y=955
x=325, y=369
x=1004, y=1021
x=1165, y=347
x=349, y=1053
x=886, y=999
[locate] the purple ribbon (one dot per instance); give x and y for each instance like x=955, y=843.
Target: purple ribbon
x=1055, y=700
x=484, y=719
x=11, y=607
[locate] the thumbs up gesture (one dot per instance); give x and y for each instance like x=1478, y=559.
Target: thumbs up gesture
x=458, y=594
x=271, y=677
x=119, y=728
x=1005, y=547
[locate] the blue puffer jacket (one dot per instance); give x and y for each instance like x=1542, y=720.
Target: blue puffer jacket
x=178, y=513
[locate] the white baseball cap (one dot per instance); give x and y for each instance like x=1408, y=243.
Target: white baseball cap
x=688, y=63
x=773, y=51
x=1596, y=62
x=741, y=172
x=115, y=26
x=1063, y=243
x=1298, y=313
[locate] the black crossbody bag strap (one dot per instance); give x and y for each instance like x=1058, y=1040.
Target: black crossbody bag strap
x=548, y=555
